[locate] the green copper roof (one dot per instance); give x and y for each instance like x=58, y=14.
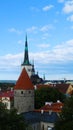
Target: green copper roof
x=26, y=56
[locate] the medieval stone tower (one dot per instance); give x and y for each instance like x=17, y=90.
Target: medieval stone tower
x=26, y=64
x=24, y=93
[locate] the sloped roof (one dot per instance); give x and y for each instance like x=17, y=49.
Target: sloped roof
x=62, y=87
x=43, y=86
x=24, y=82
x=54, y=107
x=9, y=94
x=33, y=117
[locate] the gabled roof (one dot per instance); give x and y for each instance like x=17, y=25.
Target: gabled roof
x=24, y=82
x=62, y=87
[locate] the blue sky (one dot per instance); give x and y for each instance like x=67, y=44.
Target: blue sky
x=49, y=28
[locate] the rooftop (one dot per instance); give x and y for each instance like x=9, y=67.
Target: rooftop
x=24, y=82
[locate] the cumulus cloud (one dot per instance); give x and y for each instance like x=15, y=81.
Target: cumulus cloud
x=70, y=18
x=32, y=29
x=63, y=50
x=44, y=28
x=68, y=7
x=71, y=27
x=43, y=45
x=10, y=60
x=15, y=31
x=46, y=35
x=48, y=7
x=59, y=54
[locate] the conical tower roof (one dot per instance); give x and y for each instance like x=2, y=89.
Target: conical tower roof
x=24, y=82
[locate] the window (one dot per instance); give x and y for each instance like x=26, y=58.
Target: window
x=29, y=70
x=29, y=91
x=6, y=104
x=21, y=92
x=42, y=127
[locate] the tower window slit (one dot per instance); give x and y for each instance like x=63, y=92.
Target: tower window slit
x=21, y=92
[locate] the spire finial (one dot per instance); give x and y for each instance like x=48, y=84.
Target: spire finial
x=26, y=37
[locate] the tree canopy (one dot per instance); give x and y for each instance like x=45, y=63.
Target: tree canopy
x=47, y=94
x=10, y=120
x=65, y=121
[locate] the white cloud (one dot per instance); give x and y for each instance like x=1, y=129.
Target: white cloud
x=68, y=7
x=46, y=35
x=70, y=18
x=32, y=29
x=14, y=31
x=20, y=42
x=71, y=27
x=10, y=60
x=59, y=54
x=43, y=45
x=64, y=51
x=46, y=28
x=48, y=7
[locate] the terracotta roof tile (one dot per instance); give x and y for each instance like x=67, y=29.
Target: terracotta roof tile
x=62, y=87
x=7, y=94
x=54, y=107
x=43, y=86
x=24, y=81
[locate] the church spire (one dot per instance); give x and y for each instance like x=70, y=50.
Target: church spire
x=26, y=57
x=26, y=64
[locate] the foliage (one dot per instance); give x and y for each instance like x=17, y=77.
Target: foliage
x=47, y=94
x=10, y=120
x=66, y=116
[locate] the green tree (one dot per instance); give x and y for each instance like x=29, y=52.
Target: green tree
x=46, y=94
x=10, y=120
x=65, y=121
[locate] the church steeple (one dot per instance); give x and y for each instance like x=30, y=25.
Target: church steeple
x=26, y=56
x=26, y=64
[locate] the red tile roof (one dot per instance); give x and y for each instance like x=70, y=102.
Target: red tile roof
x=43, y=86
x=62, y=87
x=7, y=94
x=54, y=107
x=24, y=81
